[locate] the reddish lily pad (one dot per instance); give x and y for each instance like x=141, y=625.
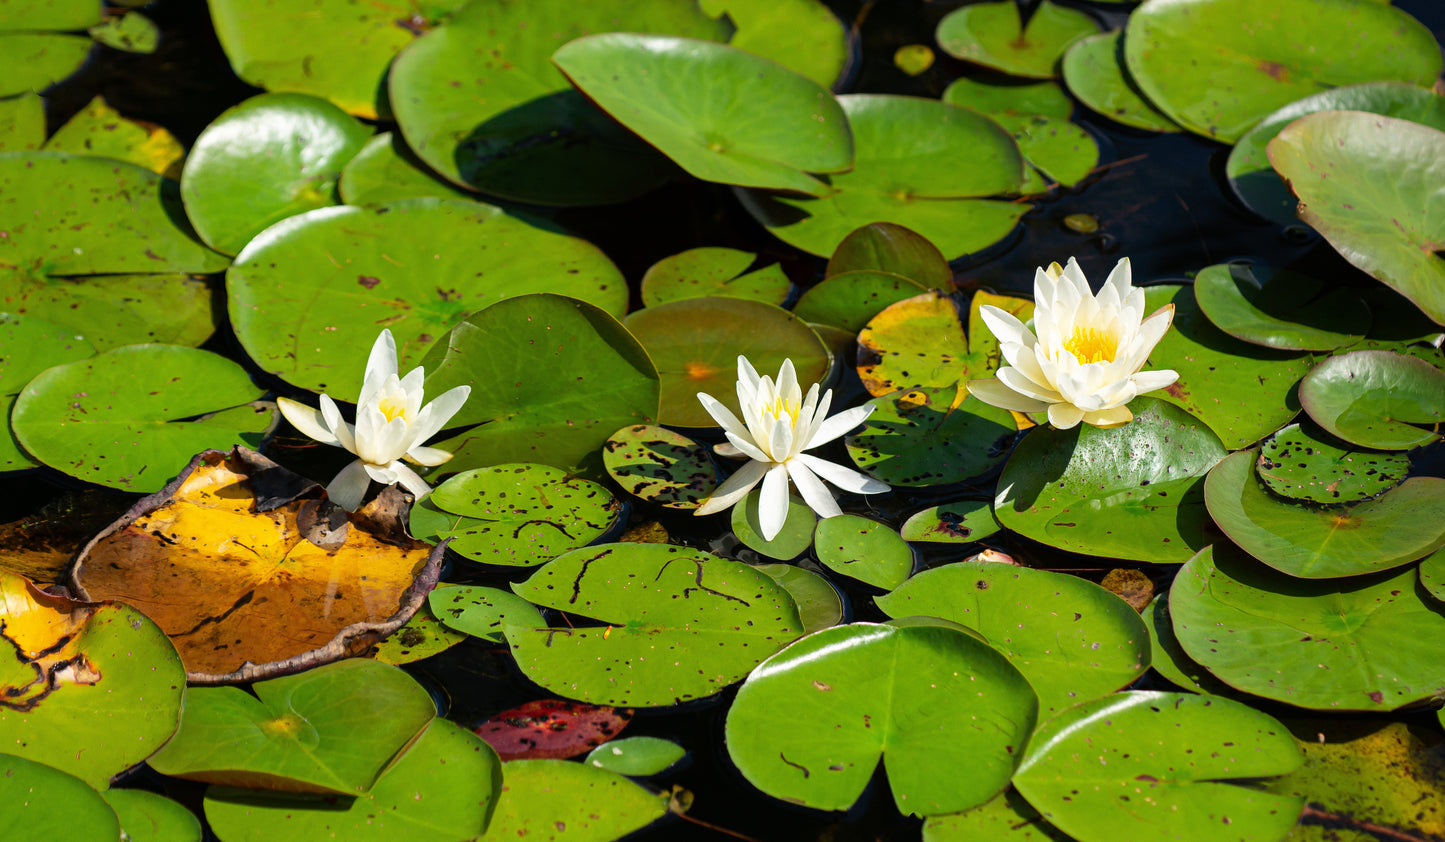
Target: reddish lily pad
x=552, y=728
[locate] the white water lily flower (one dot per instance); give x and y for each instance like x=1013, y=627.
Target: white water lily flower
x=780, y=425
x=391, y=425
x=1084, y=363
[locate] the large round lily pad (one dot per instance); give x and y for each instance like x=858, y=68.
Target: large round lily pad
x=1279, y=308
x=1095, y=72
x=863, y=549
x=28, y=346
x=1299, y=465
x=1134, y=492
x=993, y=34
x=892, y=248
x=946, y=713
x=1376, y=399
x=922, y=437
x=115, y=310
x=1369, y=184
x=1217, y=67
x=386, y=170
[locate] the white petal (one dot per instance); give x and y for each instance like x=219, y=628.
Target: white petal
x=845, y=478
x=308, y=421
x=994, y=393
x=349, y=486
x=734, y=488
x=780, y=443
x=436, y=414
x=388, y=441
x=410, y=480
x=1112, y=417
x=1015, y=379
x=1006, y=326
x=1148, y=381
x=820, y=415
x=728, y=450
x=746, y=372
x=338, y=426
x=788, y=388
x=412, y=391
x=1065, y=416
x=721, y=414
x=383, y=474
x=745, y=447
x=1151, y=330
x=839, y=424
x=773, y=502
x=429, y=456
x=380, y=365
x=814, y=492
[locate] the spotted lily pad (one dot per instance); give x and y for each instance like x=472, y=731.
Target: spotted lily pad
x=1278, y=308
x=1006, y=818
x=863, y=549
x=129, y=32
x=795, y=536
x=22, y=123
x=637, y=756
x=545, y=797
x=922, y=437
x=97, y=129
x=713, y=271
x=481, y=611
x=1095, y=72
x=1296, y=464
x=1432, y=574
x=660, y=466
x=28, y=346
x=961, y=522
x=820, y=605
x=1376, y=399
x=552, y=728
x=422, y=637
x=993, y=34
x=888, y=247
x=116, y=310
x=1062, y=151
x=36, y=60
x=849, y=300
x=35, y=794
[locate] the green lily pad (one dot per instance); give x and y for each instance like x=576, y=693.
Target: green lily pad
x=801, y=35
x=1277, y=308
x=790, y=542
x=555, y=799
x=1007, y=818
x=1009, y=96
x=922, y=437
x=1327, y=644
x=504, y=119
x=50, y=14
x=28, y=346
x=864, y=549
x=1376, y=399
x=1170, y=660
x=679, y=624
x=1242, y=391
x=1249, y=170
x=271, y=157
x=1063, y=151
x=906, y=172
x=1217, y=67
x=849, y=300
x=97, y=129
x=1365, y=183
x=480, y=611
x=551, y=378
x=22, y=123
x=960, y=522
x=1296, y=464
x=514, y=514
x=36, y=60
x=660, y=466
x=442, y=787
x=131, y=418
x=995, y=36
x=1133, y=492
x=1324, y=542
x=913, y=59
x=312, y=732
x=696, y=342
x=891, y=248
x=947, y=714
x=148, y=817
x=309, y=295
x=713, y=271
x=422, y=637
x=386, y=170
x=1161, y=766
x=1072, y=640
x=35, y=795
x=1432, y=574
x=1095, y=72
x=636, y=757
x=820, y=606
x=652, y=83
x=129, y=32
x=116, y=310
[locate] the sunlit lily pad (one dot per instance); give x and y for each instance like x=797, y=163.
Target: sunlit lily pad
x=22, y=123
x=961, y=522
x=947, y=714
x=1144, y=765
x=28, y=346
x=677, y=624
x=820, y=605
x=660, y=466
x=271, y=157
x=1367, y=184
x=795, y=536
x=481, y=611
x=116, y=310
x=1169, y=659
x=993, y=34
x=922, y=437
x=1072, y=640
x=308, y=296
x=1359, y=643
x=1297, y=464
x=850, y=299
x=637, y=756
x=801, y=35
x=588, y=804
x=1323, y=542
x=1278, y=308
x=1216, y=77
x=1009, y=96
x=1064, y=152
x=36, y=794
x=713, y=271
x=148, y=817
x=888, y=247
x=1376, y=399
x=36, y=60
x=129, y=32
x=422, y=636
x=386, y=170
x=1133, y=492
x=863, y=549
x=551, y=728
x=1006, y=818
x=100, y=130
x=1095, y=72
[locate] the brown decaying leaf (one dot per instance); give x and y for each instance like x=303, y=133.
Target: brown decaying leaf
x=552, y=728
x=252, y=575
x=1130, y=585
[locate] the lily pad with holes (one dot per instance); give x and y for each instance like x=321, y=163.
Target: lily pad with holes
x=1376, y=399
x=101, y=131
x=1133, y=492
x=1147, y=765
x=552, y=728
x=820, y=605
x=961, y=522
x=1095, y=72
x=386, y=170
x=658, y=465
x=888, y=247
x=863, y=549
x=850, y=299
x=1327, y=644
x=1216, y=77
x=802, y=35
x=28, y=346
x=1324, y=542
x=947, y=715
x=637, y=757
x=36, y=794
x=795, y=536
x=514, y=514
x=666, y=624
x=481, y=611
x=994, y=35
x=1073, y=640
x=1279, y=308
x=129, y=32
x=713, y=271
x=1296, y=464
x=922, y=437
x=271, y=157
x=906, y=172
x=696, y=342
x=545, y=797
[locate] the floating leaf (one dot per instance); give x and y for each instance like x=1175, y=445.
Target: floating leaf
x=913, y=59
x=679, y=624
x=480, y=611
x=587, y=804
x=1376, y=399
x=637, y=756
x=660, y=466
x=97, y=129
x=820, y=606
x=1007, y=818
x=422, y=636
x=863, y=549
x=1432, y=574
x=961, y=522
x=28, y=346
x=130, y=32
x=36, y=60
x=22, y=123
x=35, y=795
x=148, y=817
x=386, y=170
x=1063, y=151
x=1170, y=660
x=849, y=300
x=995, y=36
x=801, y=35
x=552, y=728
x=713, y=271
x=1095, y=72
x=923, y=437
x=1009, y=96
x=887, y=247
x=1296, y=464
x=947, y=714
x=116, y=310
x=1278, y=308
x=792, y=539
x=50, y=14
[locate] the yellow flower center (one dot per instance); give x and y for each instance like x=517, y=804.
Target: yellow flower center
x=1091, y=345
x=391, y=408
x=779, y=407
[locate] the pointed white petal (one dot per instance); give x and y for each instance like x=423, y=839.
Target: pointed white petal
x=349, y=486
x=734, y=488
x=845, y=478
x=381, y=473
x=721, y=414
x=994, y=393
x=380, y=366
x=429, y=456
x=1151, y=330
x=773, y=502
x=1112, y=417
x=1006, y=326
x=343, y=431
x=412, y=390
x=411, y=480
x=780, y=443
x=1148, y=381
x=1015, y=380
x=820, y=415
x=839, y=424
x=308, y=421
x=390, y=440
x=1065, y=416
x=788, y=388
x=745, y=447
x=436, y=414
x=814, y=492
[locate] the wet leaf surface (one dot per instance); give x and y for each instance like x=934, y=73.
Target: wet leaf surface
x=1376, y=399
x=1299, y=464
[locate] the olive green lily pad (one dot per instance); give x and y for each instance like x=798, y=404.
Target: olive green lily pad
x=1064, y=152
x=1007, y=818
x=801, y=35
x=1324, y=542
x=713, y=271
x=22, y=123
x=1432, y=574
x=864, y=549
x=271, y=157
x=1365, y=182
x=50, y=14
x=551, y=378
x=28, y=346
x=1278, y=308
x=1376, y=399
x=480, y=611
x=696, y=342
x=313, y=732
x=97, y=129
x=309, y=295
x=922, y=437
x=1170, y=660
x=386, y=170
x=1133, y=492
x=637, y=757
x=129, y=32
x=1297, y=464
x=960, y=522
x=148, y=817
x=556, y=799
x=1358, y=643
x=947, y=714
x=795, y=536
x=660, y=466
x=516, y=515
x=1072, y=640
x=1144, y=765
x=1217, y=67
x=36, y=60
x=678, y=624
x=1095, y=72
x=906, y=172
x=1249, y=170
x=36, y=796
x=913, y=59
x=995, y=36
x=1009, y=96
x=422, y=637
x=892, y=248
x=504, y=120
x=849, y=300
x=116, y=310
x=820, y=605
x=131, y=418
x=652, y=84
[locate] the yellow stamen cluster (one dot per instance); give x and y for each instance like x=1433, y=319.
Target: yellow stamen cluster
x=1091, y=345
x=780, y=407
x=392, y=408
